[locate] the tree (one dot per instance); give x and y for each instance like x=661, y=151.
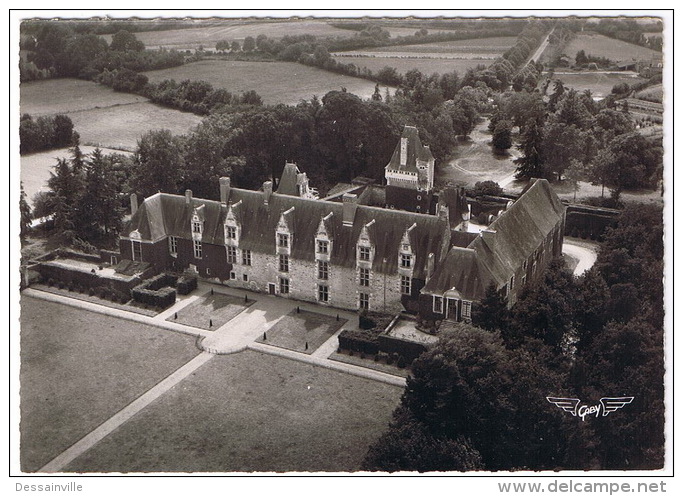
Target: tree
x=65, y=187
x=491, y=313
x=63, y=131
x=530, y=164
x=98, y=207
x=574, y=174
x=502, y=136
x=124, y=41
x=235, y=46
x=25, y=214
x=158, y=163
x=249, y=44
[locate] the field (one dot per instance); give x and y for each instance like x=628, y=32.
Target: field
x=100, y=115
x=602, y=46
x=276, y=82
x=428, y=58
x=251, y=412
x=600, y=84
x=62, y=96
x=79, y=368
x=652, y=94
x=207, y=36
x=36, y=168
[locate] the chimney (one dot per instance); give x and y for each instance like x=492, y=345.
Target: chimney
x=443, y=211
x=430, y=265
x=224, y=183
x=267, y=191
x=133, y=204
x=188, y=197
x=350, y=204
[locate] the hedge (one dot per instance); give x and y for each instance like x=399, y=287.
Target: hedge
x=353, y=340
x=409, y=350
x=186, y=284
x=156, y=291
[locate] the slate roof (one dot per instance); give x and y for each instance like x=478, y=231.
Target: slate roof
x=169, y=215
x=287, y=184
x=415, y=151
x=494, y=258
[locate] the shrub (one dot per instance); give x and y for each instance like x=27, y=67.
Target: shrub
x=156, y=291
x=60, y=284
x=50, y=282
x=402, y=362
x=362, y=341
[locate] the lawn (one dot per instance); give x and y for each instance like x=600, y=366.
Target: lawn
x=211, y=311
x=276, y=82
x=231, y=30
x=297, y=329
x=602, y=46
x=63, y=96
x=474, y=160
x=36, y=167
x=78, y=368
x=600, y=84
x=251, y=412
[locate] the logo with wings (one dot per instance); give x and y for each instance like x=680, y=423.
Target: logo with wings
x=606, y=406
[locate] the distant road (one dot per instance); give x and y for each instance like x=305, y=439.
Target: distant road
x=586, y=252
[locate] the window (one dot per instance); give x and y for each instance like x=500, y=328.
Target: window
x=466, y=309
x=246, y=257
x=323, y=270
x=232, y=254
x=323, y=293
x=364, y=277
x=197, y=245
x=405, y=285
x=231, y=233
x=364, y=253
x=323, y=247
x=137, y=250
x=525, y=264
x=283, y=240
x=512, y=283
x=284, y=263
x=245, y=277
x=233, y=276
x=364, y=301
x=284, y=285
x=173, y=245
x=437, y=307
x=196, y=227
x=406, y=260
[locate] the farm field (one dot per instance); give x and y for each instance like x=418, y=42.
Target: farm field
x=230, y=30
x=276, y=82
x=602, y=46
x=652, y=94
x=251, y=412
x=78, y=368
x=600, y=84
x=62, y=96
x=36, y=168
x=428, y=58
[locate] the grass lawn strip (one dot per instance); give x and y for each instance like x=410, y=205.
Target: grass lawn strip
x=295, y=330
x=251, y=412
x=210, y=311
x=78, y=368
x=131, y=306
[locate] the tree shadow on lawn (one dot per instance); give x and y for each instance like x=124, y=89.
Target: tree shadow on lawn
x=302, y=331
x=211, y=311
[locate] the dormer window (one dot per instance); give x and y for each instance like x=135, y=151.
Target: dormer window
x=196, y=227
x=364, y=253
x=283, y=240
x=231, y=232
x=406, y=261
x=323, y=247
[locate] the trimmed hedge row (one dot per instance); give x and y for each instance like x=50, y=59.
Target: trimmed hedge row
x=156, y=291
x=78, y=278
x=365, y=342
x=409, y=350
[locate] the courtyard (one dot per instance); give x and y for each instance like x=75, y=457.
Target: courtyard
x=107, y=394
